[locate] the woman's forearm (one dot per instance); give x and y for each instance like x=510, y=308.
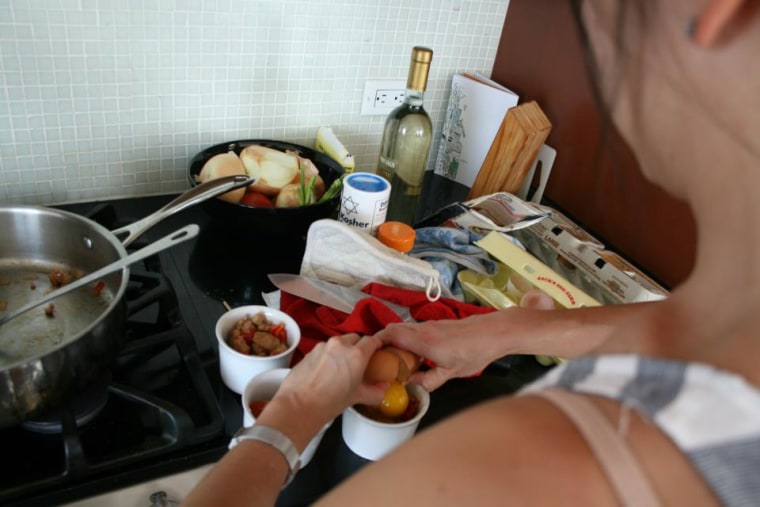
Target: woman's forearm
x=460, y=348
x=563, y=333
x=318, y=389
x=253, y=472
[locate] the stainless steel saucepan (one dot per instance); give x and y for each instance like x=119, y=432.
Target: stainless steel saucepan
x=46, y=357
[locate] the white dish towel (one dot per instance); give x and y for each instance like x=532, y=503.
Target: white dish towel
x=336, y=252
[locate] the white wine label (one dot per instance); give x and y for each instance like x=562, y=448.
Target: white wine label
x=388, y=162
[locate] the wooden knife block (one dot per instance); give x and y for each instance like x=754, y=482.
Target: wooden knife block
x=513, y=151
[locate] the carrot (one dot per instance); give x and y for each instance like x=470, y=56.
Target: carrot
x=279, y=331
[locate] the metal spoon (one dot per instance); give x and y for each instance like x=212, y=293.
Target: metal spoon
x=178, y=236
x=202, y=192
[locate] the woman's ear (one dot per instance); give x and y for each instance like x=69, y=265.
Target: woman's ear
x=714, y=21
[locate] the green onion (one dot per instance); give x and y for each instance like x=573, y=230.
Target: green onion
x=334, y=189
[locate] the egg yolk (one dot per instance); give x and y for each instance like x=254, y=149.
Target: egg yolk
x=395, y=401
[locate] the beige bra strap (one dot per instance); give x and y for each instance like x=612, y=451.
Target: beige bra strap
x=618, y=462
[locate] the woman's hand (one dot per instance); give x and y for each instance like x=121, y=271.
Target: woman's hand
x=318, y=389
x=329, y=378
x=459, y=348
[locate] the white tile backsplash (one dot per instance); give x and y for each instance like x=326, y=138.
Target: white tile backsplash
x=111, y=98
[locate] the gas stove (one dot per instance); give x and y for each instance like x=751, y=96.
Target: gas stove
x=155, y=410
x=162, y=408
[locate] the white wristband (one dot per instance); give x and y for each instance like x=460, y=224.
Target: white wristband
x=274, y=438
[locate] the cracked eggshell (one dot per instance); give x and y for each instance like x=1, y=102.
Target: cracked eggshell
x=391, y=363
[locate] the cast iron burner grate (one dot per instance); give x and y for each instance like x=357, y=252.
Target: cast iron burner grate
x=157, y=402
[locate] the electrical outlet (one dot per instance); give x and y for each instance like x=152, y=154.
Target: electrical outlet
x=382, y=97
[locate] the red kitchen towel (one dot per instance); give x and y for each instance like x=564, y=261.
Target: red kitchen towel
x=318, y=323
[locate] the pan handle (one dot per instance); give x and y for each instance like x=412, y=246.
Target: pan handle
x=178, y=236
x=207, y=190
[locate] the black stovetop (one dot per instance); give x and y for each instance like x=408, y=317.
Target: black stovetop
x=163, y=407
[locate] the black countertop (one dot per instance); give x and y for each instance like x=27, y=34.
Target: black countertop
x=226, y=264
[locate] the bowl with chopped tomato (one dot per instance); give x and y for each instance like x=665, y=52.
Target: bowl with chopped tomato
x=372, y=432
x=253, y=339
x=257, y=393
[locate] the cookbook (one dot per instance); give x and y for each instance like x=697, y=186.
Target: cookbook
x=477, y=105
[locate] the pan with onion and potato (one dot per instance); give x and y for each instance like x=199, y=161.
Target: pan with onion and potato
x=293, y=185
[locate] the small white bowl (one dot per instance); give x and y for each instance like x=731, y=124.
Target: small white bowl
x=263, y=387
x=372, y=439
x=237, y=368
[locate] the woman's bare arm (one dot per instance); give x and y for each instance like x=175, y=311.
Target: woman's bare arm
x=463, y=347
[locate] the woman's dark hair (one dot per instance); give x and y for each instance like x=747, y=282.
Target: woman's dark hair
x=590, y=59
x=628, y=16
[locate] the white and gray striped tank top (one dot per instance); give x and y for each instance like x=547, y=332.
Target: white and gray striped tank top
x=712, y=415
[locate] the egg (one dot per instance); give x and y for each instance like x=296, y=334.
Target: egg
x=537, y=300
x=382, y=367
x=396, y=400
x=411, y=362
x=391, y=363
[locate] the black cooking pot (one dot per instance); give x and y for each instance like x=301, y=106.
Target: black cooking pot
x=291, y=222
x=46, y=357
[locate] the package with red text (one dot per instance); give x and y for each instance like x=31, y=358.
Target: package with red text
x=529, y=272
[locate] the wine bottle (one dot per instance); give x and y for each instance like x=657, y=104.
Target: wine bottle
x=406, y=142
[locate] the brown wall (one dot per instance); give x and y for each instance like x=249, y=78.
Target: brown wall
x=597, y=182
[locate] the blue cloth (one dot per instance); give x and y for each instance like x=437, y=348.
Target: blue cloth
x=450, y=250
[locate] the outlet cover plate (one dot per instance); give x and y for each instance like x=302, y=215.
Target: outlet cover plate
x=382, y=96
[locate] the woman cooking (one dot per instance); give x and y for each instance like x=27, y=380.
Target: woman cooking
x=661, y=404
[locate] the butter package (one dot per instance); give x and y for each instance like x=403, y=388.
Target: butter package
x=563, y=246
x=523, y=271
